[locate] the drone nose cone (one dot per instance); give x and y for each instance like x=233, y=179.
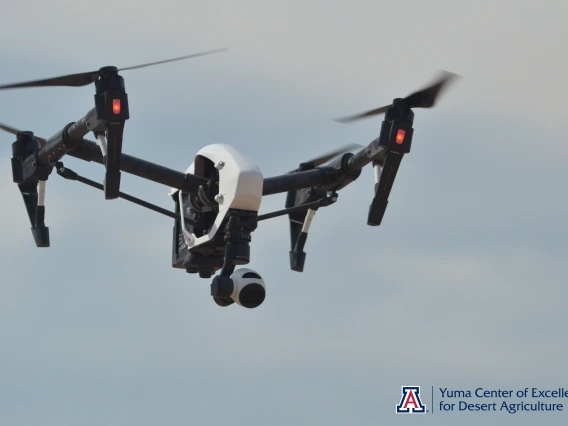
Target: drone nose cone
x=252, y=295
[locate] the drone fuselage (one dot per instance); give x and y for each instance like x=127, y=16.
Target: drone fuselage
x=235, y=192
x=218, y=198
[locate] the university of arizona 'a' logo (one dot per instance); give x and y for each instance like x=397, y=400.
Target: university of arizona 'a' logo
x=410, y=401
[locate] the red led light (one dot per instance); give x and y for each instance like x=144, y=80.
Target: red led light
x=116, y=106
x=400, y=136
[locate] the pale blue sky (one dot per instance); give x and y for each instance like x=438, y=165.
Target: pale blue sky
x=463, y=285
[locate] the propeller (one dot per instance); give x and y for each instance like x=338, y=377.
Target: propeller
x=324, y=158
x=424, y=98
x=83, y=79
x=14, y=131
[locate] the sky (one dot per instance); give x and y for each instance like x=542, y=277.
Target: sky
x=462, y=286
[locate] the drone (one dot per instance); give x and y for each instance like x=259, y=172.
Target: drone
x=217, y=199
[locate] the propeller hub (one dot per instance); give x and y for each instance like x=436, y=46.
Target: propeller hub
x=108, y=79
x=108, y=70
x=25, y=136
x=400, y=110
x=25, y=145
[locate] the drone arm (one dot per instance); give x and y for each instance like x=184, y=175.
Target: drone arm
x=321, y=176
x=66, y=139
x=65, y=142
x=70, y=141
x=90, y=151
x=89, y=123
x=372, y=152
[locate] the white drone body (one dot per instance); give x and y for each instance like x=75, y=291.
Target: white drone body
x=218, y=198
x=240, y=186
